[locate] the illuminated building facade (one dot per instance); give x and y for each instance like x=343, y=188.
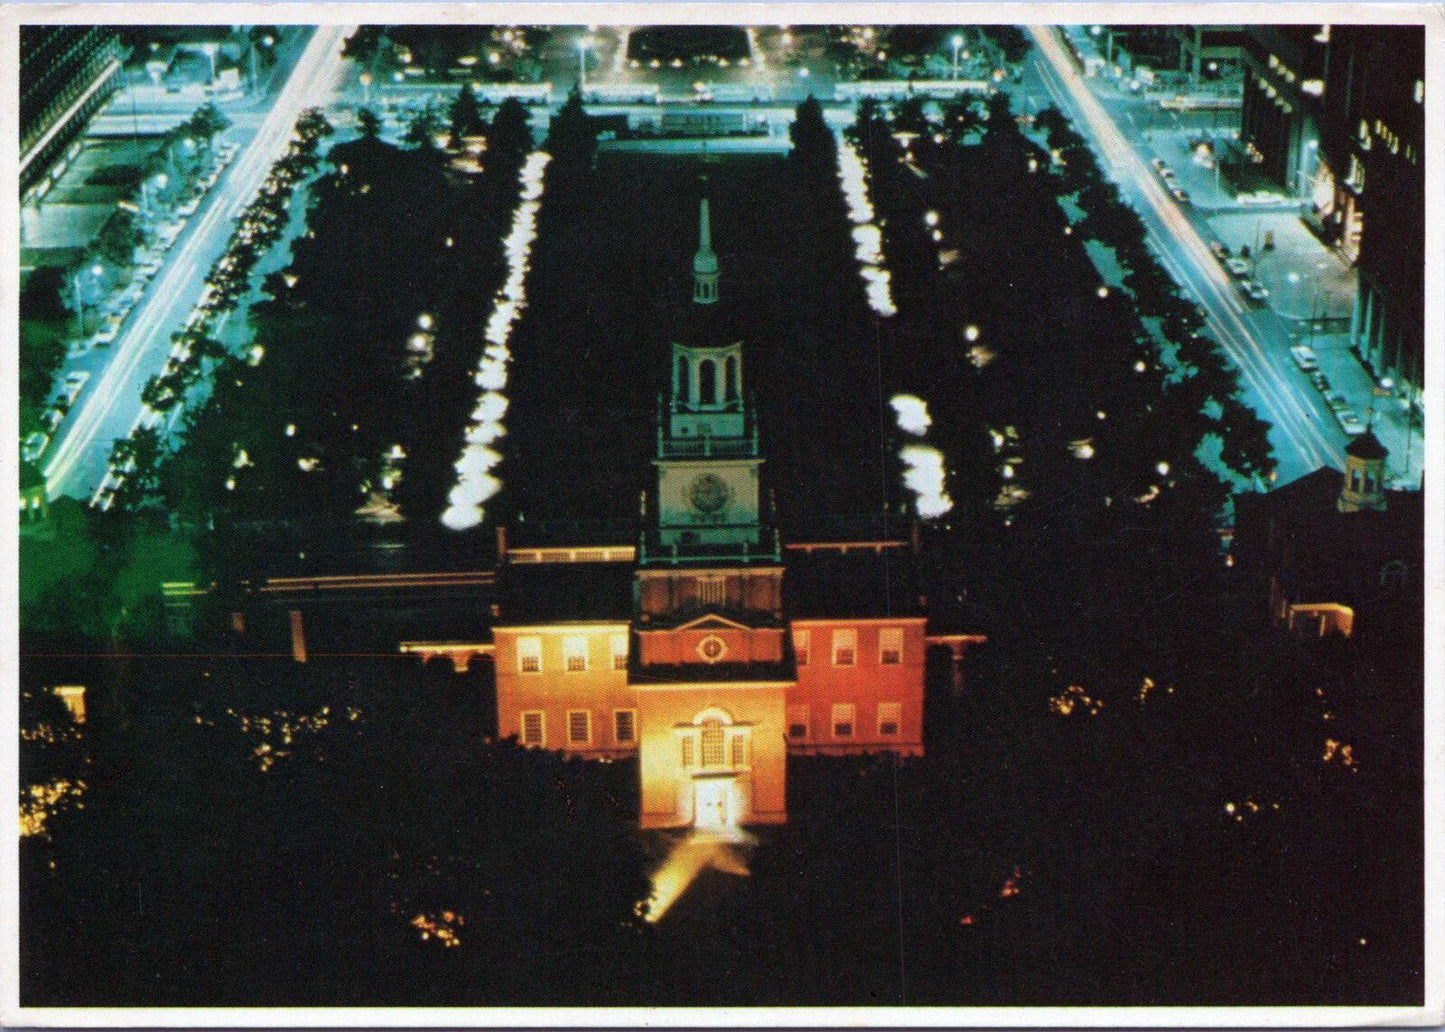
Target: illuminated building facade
x=710, y=649
x=67, y=73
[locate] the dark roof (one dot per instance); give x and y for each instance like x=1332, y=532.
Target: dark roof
x=703, y=326
x=1298, y=534
x=564, y=592
x=1366, y=446
x=825, y=583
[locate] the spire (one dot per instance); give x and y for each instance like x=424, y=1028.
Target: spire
x=704, y=263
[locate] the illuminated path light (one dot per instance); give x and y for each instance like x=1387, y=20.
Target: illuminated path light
x=475, y=482
x=924, y=476
x=853, y=175
x=912, y=414
x=1209, y=281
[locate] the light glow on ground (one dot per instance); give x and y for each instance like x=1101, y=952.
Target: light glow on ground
x=687, y=860
x=475, y=481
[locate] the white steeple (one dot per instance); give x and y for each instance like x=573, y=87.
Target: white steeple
x=704, y=263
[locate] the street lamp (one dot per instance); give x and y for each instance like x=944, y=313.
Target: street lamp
x=95, y=270
x=957, y=43
x=365, y=78
x=583, y=45
x=210, y=50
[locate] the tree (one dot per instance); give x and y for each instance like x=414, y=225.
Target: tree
x=423, y=128
x=812, y=139
x=464, y=116
x=1246, y=441
x=207, y=122
x=369, y=123
x=118, y=238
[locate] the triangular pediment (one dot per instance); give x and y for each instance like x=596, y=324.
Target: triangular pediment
x=712, y=622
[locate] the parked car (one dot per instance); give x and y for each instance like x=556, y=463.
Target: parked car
x=1220, y=251
x=1305, y=357
x=1321, y=381
x=1238, y=266
x=1180, y=194
x=1256, y=291
x=1336, y=401
x=74, y=383
x=1350, y=422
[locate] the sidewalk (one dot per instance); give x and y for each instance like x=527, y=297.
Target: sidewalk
x=1306, y=279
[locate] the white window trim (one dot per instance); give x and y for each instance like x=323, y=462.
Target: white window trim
x=624, y=741
x=619, y=655
x=532, y=649
x=568, y=653
x=882, y=648
x=851, y=711
x=587, y=714
x=897, y=721
x=541, y=716
x=845, y=639
x=802, y=650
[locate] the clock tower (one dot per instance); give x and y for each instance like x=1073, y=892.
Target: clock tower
x=707, y=437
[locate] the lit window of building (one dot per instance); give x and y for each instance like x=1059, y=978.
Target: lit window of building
x=712, y=743
x=534, y=728
x=843, y=717
x=801, y=641
x=579, y=727
x=687, y=751
x=845, y=647
x=619, y=652
x=574, y=654
x=890, y=646
x=890, y=715
x=712, y=591
x=529, y=655
x=738, y=746
x=797, y=721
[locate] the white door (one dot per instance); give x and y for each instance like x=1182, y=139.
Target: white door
x=712, y=799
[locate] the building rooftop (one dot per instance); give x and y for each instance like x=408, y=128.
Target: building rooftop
x=827, y=583
x=564, y=593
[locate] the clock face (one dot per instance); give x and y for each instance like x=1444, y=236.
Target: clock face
x=709, y=493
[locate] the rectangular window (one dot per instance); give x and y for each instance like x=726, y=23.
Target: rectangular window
x=712, y=744
x=529, y=655
x=619, y=652
x=687, y=751
x=797, y=721
x=534, y=728
x=845, y=647
x=801, y=641
x=890, y=714
x=574, y=653
x=843, y=714
x=739, y=749
x=890, y=646
x=579, y=727
x=624, y=726
x=711, y=591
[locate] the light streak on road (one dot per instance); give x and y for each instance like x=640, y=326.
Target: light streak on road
x=312, y=83
x=1209, y=283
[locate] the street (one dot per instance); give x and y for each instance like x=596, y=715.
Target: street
x=1256, y=339
x=77, y=461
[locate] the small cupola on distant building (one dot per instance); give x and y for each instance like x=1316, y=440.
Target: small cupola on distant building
x=1364, y=481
